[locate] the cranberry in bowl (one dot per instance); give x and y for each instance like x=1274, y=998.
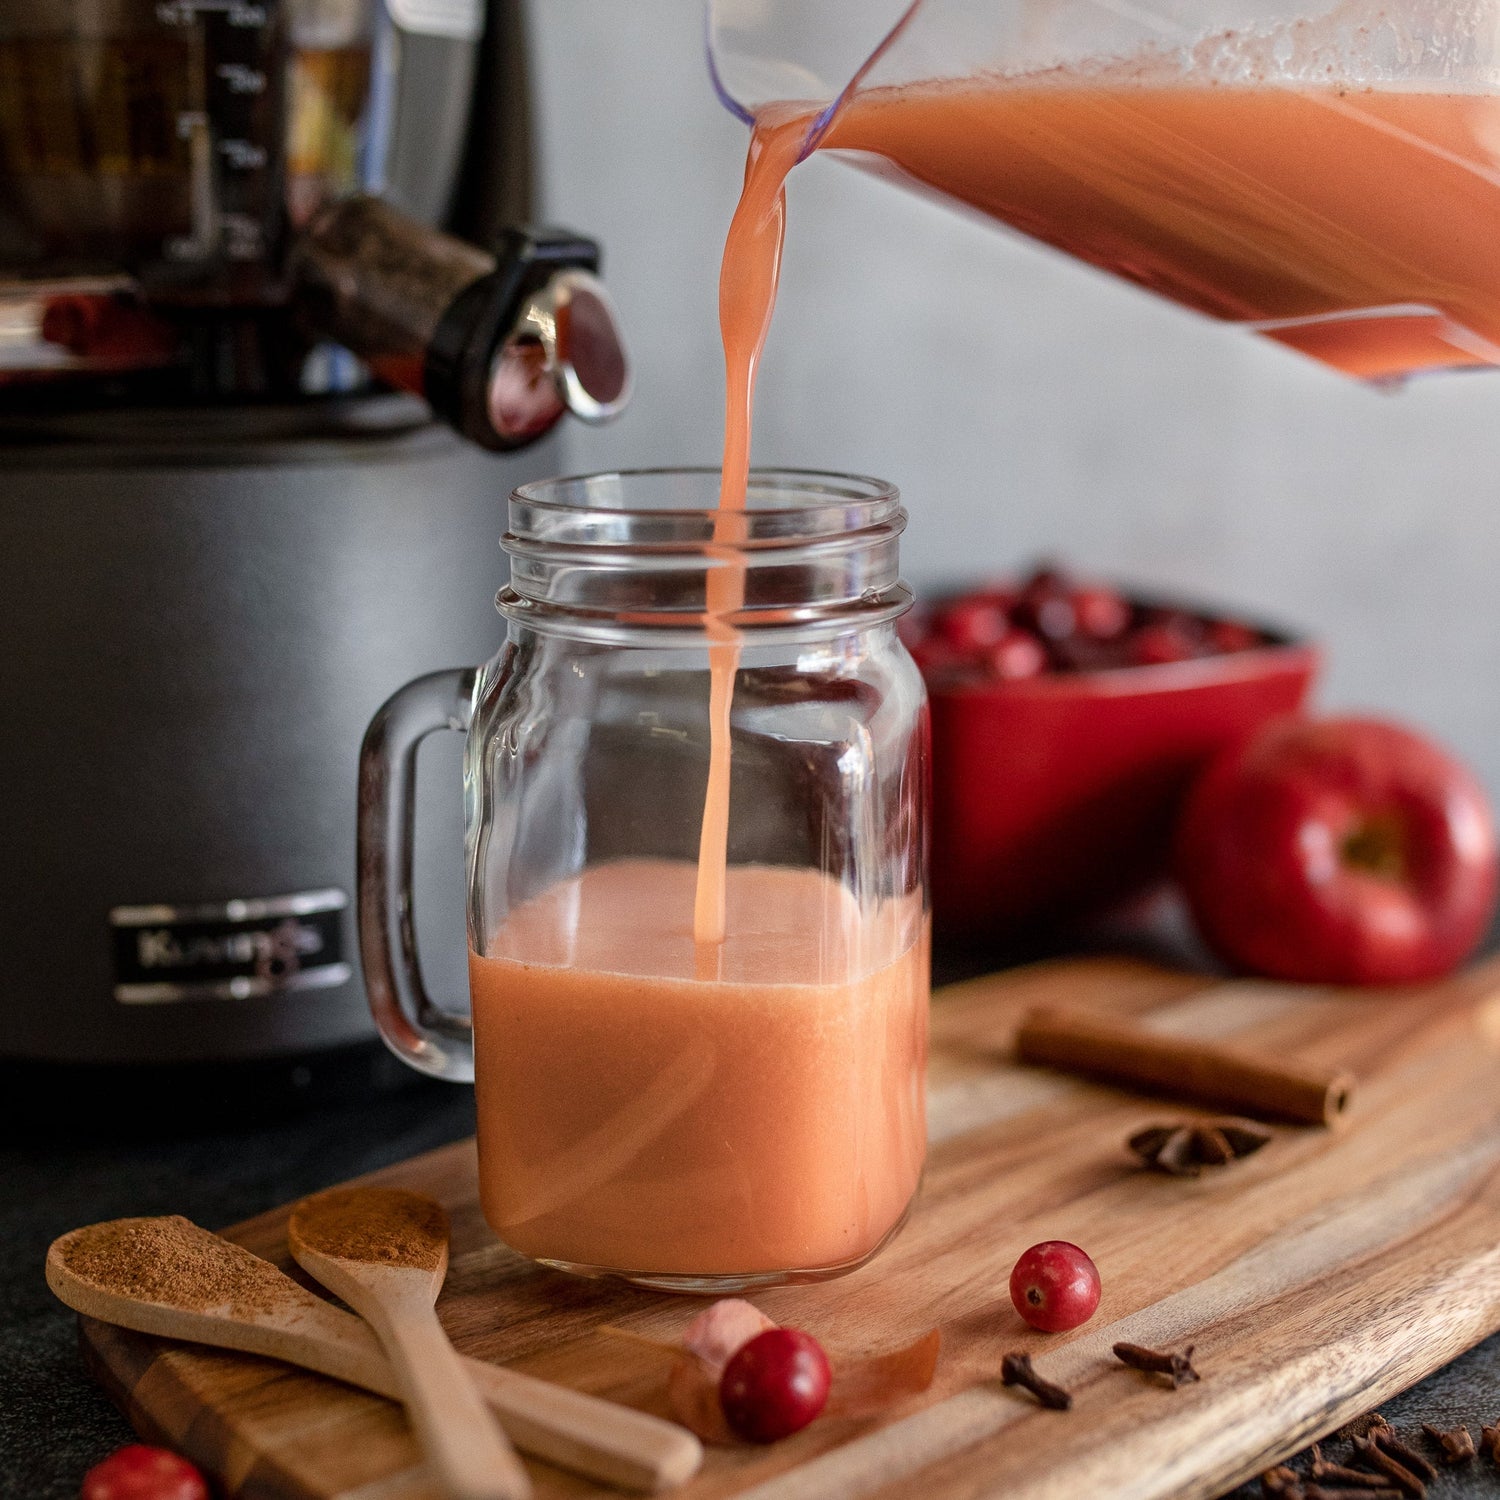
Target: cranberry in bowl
x=1068, y=720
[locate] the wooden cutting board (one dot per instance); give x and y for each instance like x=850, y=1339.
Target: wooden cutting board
x=1317, y=1278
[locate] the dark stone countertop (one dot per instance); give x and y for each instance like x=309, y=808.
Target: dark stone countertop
x=54, y=1423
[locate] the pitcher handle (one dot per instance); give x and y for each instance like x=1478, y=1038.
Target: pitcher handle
x=420, y=1033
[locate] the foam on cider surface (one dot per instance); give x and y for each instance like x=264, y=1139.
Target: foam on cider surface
x=1421, y=45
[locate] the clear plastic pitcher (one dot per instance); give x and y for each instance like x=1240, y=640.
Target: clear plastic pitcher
x=1327, y=172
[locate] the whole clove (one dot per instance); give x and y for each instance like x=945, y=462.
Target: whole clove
x=1282, y=1483
x=1385, y=1437
x=1188, y=1148
x=1340, y=1476
x=1017, y=1369
x=1457, y=1443
x=1369, y=1451
x=1178, y=1368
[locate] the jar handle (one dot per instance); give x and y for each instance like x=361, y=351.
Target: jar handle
x=420, y=1033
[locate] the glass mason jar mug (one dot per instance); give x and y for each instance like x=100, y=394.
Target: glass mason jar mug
x=696, y=1115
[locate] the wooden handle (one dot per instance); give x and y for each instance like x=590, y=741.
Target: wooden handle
x=602, y=1439
x=467, y=1450
x=1227, y=1078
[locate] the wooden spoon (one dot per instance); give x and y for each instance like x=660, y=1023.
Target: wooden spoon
x=385, y=1252
x=171, y=1278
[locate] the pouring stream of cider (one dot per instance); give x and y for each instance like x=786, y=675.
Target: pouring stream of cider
x=747, y=297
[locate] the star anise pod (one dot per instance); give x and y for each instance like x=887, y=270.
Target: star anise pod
x=1187, y=1148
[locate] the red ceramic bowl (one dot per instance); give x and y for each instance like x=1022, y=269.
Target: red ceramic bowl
x=1055, y=797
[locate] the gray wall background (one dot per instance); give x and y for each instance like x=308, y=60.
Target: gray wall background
x=1024, y=404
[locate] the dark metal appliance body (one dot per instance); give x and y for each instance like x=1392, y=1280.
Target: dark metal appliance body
x=220, y=551
x=198, y=624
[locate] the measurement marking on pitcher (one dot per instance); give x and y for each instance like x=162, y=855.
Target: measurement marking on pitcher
x=242, y=79
x=243, y=155
x=189, y=12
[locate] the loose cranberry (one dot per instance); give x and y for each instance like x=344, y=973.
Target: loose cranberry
x=1156, y=645
x=1016, y=656
x=972, y=623
x=1101, y=613
x=774, y=1385
x=1055, y=1286
x=1229, y=635
x=138, y=1472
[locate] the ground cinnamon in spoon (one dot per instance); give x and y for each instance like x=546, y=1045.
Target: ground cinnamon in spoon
x=171, y=1260
x=387, y=1225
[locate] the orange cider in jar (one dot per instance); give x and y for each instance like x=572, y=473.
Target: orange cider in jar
x=635, y=1116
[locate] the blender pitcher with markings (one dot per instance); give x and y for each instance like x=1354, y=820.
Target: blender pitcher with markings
x=1325, y=172
x=207, y=199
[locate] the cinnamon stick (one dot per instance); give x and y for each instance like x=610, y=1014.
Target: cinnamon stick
x=1226, y=1078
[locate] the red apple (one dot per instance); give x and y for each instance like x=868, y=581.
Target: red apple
x=1340, y=851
